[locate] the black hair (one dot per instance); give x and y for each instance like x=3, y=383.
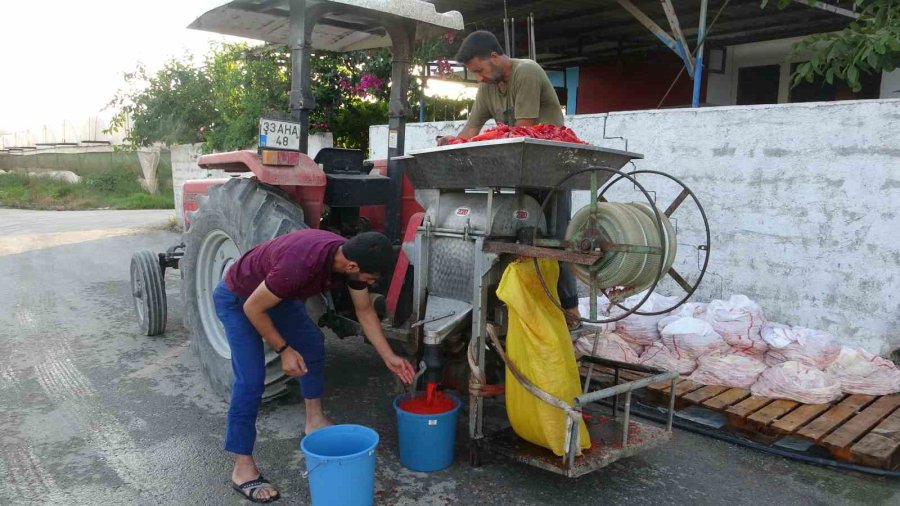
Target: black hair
x=478, y=44
x=372, y=252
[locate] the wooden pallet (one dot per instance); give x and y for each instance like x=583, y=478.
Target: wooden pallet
x=862, y=429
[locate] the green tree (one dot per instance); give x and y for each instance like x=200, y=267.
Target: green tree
x=220, y=101
x=247, y=82
x=351, y=91
x=168, y=107
x=870, y=44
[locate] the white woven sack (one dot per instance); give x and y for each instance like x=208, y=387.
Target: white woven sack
x=657, y=355
x=692, y=338
x=731, y=370
x=738, y=320
x=609, y=346
x=797, y=382
x=861, y=372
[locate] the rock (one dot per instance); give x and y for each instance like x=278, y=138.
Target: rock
x=59, y=175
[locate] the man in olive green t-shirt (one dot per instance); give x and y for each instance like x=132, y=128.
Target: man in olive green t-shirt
x=513, y=91
x=517, y=92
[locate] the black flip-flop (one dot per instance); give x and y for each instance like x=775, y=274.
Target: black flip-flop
x=249, y=489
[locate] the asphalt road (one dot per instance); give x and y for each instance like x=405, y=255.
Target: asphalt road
x=92, y=413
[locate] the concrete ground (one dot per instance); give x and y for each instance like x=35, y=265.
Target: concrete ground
x=91, y=412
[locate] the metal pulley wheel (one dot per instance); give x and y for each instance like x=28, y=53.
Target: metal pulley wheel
x=629, y=224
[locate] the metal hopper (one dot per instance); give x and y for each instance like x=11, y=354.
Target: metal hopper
x=520, y=162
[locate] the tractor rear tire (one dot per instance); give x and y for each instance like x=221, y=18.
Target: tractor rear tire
x=234, y=218
x=148, y=287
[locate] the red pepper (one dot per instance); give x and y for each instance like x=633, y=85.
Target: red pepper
x=539, y=131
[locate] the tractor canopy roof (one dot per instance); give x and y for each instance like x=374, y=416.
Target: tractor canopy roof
x=352, y=25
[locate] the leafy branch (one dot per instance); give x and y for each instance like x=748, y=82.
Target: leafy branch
x=869, y=44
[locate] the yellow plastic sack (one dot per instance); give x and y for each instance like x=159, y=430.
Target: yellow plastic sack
x=538, y=343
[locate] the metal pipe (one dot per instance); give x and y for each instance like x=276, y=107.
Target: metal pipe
x=479, y=332
x=671, y=406
x=627, y=419
x=415, y=382
x=573, y=442
x=587, y=380
x=585, y=399
x=830, y=8
x=403, y=40
x=512, y=38
x=616, y=398
x=455, y=235
x=506, y=33
x=623, y=365
x=532, y=46
x=422, y=98
x=698, y=65
x=299, y=40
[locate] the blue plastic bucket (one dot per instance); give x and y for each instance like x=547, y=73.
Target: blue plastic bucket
x=426, y=441
x=340, y=465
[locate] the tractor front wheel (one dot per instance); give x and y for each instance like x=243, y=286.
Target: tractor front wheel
x=148, y=288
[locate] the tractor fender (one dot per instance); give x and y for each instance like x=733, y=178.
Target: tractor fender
x=293, y=172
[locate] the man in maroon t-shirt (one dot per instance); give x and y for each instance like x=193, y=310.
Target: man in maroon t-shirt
x=260, y=300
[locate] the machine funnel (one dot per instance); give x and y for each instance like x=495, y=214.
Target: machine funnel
x=520, y=162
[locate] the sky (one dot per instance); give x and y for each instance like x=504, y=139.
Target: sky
x=64, y=59
x=61, y=61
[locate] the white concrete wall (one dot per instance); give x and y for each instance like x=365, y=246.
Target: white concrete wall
x=184, y=168
x=184, y=165
x=803, y=202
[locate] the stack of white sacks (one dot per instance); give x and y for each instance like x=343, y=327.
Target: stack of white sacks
x=730, y=343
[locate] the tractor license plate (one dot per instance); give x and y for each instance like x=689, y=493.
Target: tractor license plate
x=274, y=134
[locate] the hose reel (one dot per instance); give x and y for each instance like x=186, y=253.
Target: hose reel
x=635, y=243
x=628, y=223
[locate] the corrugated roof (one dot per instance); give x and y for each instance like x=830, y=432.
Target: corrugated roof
x=570, y=32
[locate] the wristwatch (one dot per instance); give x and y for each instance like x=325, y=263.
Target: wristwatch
x=279, y=350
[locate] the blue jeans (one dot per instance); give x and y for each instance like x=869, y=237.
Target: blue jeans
x=249, y=364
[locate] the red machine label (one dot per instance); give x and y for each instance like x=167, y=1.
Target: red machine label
x=462, y=211
x=521, y=214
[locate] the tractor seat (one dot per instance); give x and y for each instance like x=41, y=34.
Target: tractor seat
x=349, y=183
x=342, y=161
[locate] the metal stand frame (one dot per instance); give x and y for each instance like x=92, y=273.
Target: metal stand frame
x=570, y=466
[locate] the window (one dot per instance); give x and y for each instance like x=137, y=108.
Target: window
x=758, y=85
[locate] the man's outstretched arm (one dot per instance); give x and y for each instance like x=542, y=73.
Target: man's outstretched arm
x=371, y=326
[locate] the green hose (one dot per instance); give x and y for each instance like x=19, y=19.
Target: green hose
x=619, y=223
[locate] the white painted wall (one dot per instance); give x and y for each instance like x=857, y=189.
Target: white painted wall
x=184, y=168
x=721, y=89
x=184, y=165
x=803, y=201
